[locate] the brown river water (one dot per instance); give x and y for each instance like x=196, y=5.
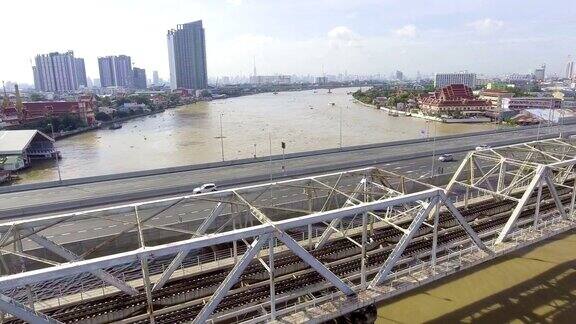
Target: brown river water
x=533, y=285
x=305, y=120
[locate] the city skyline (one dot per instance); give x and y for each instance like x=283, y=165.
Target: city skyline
x=364, y=37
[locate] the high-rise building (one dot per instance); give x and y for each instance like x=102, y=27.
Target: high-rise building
x=139, y=78
x=187, y=56
x=155, y=78
x=445, y=79
x=36, y=78
x=399, y=75
x=56, y=72
x=115, y=71
x=540, y=73
x=570, y=72
x=80, y=72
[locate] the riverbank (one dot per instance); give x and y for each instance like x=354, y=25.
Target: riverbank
x=536, y=285
x=105, y=124
x=395, y=112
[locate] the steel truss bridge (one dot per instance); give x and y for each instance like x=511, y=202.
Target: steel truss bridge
x=302, y=250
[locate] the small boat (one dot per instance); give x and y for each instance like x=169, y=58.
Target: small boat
x=332, y=104
x=329, y=90
x=115, y=126
x=275, y=92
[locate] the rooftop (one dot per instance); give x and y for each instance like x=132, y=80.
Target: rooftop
x=16, y=141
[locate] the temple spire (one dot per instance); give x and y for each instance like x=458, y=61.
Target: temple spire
x=5, y=100
x=19, y=104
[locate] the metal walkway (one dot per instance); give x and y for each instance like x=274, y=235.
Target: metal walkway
x=300, y=250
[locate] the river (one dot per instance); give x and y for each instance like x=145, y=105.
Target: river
x=190, y=134
x=532, y=285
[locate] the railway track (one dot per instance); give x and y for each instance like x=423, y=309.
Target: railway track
x=481, y=216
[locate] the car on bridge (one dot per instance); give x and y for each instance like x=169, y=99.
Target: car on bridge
x=482, y=147
x=207, y=187
x=446, y=158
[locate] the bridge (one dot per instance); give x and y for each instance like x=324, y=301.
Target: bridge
x=306, y=249
x=411, y=157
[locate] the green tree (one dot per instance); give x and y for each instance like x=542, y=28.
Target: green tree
x=37, y=97
x=102, y=116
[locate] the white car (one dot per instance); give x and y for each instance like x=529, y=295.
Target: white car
x=482, y=147
x=446, y=158
x=207, y=187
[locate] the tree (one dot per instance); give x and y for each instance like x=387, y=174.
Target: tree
x=102, y=116
x=37, y=97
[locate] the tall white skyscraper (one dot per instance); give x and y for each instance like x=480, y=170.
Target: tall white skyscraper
x=570, y=73
x=116, y=71
x=540, y=73
x=187, y=56
x=155, y=78
x=57, y=72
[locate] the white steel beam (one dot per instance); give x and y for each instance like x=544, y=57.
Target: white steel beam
x=208, y=220
x=538, y=198
x=314, y=263
x=177, y=261
x=231, y=279
x=331, y=228
x=462, y=221
x=540, y=171
x=23, y=312
x=70, y=268
x=396, y=253
x=71, y=256
x=554, y=194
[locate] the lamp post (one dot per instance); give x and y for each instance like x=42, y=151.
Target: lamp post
x=57, y=159
x=221, y=137
x=340, y=126
x=433, y=145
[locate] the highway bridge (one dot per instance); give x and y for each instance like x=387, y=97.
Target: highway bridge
x=302, y=249
x=412, y=158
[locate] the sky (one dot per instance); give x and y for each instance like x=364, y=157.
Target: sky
x=304, y=37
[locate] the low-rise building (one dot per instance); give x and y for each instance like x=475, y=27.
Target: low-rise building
x=20, y=147
x=33, y=111
x=270, y=79
x=495, y=97
x=455, y=99
x=131, y=106
x=107, y=110
x=523, y=103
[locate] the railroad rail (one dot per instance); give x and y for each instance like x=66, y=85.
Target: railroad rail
x=378, y=234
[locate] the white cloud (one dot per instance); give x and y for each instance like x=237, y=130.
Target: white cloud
x=486, y=25
x=342, y=36
x=408, y=31
x=234, y=2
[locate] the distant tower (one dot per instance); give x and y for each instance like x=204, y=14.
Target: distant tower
x=570, y=72
x=254, y=62
x=5, y=99
x=187, y=56
x=19, y=104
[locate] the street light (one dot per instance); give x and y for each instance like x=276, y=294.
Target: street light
x=221, y=137
x=433, y=146
x=57, y=159
x=340, y=126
